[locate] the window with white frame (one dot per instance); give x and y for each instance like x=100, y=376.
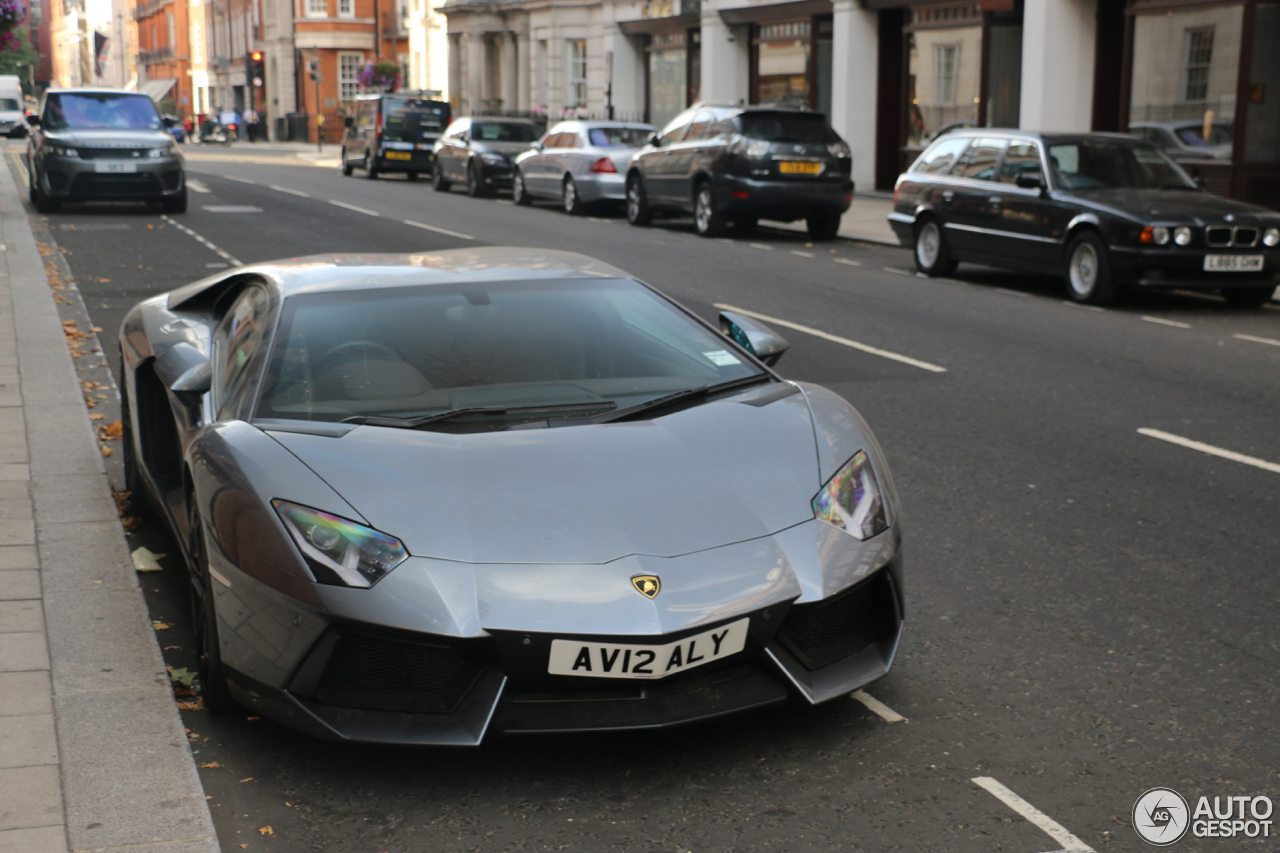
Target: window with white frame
x=576, y=59
x=349, y=75
x=946, y=66
x=346, y=8
x=317, y=8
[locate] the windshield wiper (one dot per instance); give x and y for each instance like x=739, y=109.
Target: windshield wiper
x=415, y=423
x=681, y=397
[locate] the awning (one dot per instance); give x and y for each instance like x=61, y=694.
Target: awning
x=671, y=23
x=775, y=12
x=158, y=88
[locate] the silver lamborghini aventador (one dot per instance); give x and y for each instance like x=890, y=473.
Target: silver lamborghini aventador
x=428, y=497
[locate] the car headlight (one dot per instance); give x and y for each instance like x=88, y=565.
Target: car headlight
x=851, y=500
x=1271, y=237
x=339, y=551
x=161, y=152
x=1182, y=236
x=494, y=159
x=1160, y=235
x=63, y=151
x=839, y=149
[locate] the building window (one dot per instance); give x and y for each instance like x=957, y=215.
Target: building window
x=346, y=8
x=576, y=96
x=946, y=64
x=782, y=55
x=173, y=38
x=349, y=75
x=317, y=8
x=1199, y=53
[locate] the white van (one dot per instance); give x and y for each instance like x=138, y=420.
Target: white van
x=13, y=122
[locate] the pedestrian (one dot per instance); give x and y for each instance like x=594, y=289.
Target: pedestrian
x=251, y=121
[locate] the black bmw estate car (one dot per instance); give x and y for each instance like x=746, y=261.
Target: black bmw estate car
x=1108, y=211
x=742, y=164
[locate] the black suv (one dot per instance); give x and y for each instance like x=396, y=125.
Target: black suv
x=393, y=133
x=742, y=164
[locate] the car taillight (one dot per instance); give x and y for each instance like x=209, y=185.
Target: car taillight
x=740, y=194
x=895, y=196
x=604, y=166
x=378, y=127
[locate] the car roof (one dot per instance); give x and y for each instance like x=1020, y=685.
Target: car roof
x=1048, y=136
x=497, y=119
x=94, y=90
x=354, y=272
x=603, y=123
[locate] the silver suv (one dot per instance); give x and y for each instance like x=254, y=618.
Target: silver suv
x=103, y=144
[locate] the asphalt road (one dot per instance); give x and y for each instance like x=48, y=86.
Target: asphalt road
x=1091, y=609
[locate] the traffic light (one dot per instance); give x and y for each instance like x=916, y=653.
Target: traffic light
x=255, y=70
x=315, y=69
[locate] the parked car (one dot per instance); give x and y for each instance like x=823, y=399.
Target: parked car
x=579, y=163
x=13, y=123
x=424, y=498
x=480, y=152
x=103, y=144
x=176, y=128
x=393, y=133
x=1185, y=140
x=1108, y=211
x=742, y=164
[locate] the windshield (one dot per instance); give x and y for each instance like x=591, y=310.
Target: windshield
x=413, y=120
x=108, y=111
x=787, y=127
x=9, y=105
x=619, y=137
x=590, y=346
x=1106, y=164
x=1193, y=135
x=492, y=131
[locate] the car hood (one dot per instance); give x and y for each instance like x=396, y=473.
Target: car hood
x=111, y=138
x=1169, y=205
x=723, y=472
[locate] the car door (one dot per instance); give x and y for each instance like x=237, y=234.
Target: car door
x=452, y=158
x=534, y=167
x=661, y=183
x=682, y=155
x=975, y=203
x=1027, y=214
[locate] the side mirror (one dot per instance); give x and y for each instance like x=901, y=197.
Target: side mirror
x=537, y=146
x=167, y=122
x=348, y=122
x=183, y=369
x=756, y=338
x=1030, y=180
x=655, y=140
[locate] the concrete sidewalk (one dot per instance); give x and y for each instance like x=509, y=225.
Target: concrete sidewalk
x=93, y=755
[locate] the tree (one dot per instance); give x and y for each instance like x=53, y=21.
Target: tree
x=19, y=59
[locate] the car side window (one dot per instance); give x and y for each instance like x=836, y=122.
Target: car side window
x=939, y=159
x=674, y=131
x=1021, y=158
x=978, y=162
x=237, y=340
x=572, y=140
x=365, y=120
x=701, y=128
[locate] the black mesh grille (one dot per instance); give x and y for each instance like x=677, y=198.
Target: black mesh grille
x=381, y=674
x=124, y=185
x=1218, y=236
x=112, y=153
x=1246, y=236
x=824, y=632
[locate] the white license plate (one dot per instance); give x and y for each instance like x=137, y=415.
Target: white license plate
x=616, y=660
x=115, y=167
x=1233, y=263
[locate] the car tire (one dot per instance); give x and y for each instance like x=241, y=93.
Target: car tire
x=823, y=226
x=1089, y=278
x=133, y=484
x=638, y=210
x=746, y=224
x=933, y=257
x=44, y=204
x=707, y=221
x=31, y=187
x=204, y=625
x=438, y=181
x=1247, y=297
x=347, y=168
x=370, y=167
x=519, y=192
x=475, y=181
x=569, y=198
x=175, y=204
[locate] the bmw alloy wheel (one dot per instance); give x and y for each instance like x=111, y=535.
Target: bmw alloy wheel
x=1082, y=271
x=928, y=245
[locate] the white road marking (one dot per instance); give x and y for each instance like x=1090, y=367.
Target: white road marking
x=1046, y=824
x=366, y=211
x=446, y=231
x=298, y=193
x=898, y=271
x=1164, y=322
x=216, y=265
x=197, y=186
x=818, y=333
x=1085, y=307
x=761, y=246
x=240, y=180
x=847, y=262
x=802, y=254
x=232, y=208
x=176, y=224
x=1271, y=341
x=877, y=707
x=1012, y=292
x=1210, y=449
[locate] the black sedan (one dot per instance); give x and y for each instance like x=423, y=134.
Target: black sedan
x=480, y=152
x=1108, y=211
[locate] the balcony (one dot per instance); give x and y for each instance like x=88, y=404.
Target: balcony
x=150, y=57
x=149, y=7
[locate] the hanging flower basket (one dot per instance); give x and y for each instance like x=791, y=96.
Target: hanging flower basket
x=12, y=13
x=383, y=76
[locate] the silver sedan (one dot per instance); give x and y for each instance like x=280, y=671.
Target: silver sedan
x=579, y=163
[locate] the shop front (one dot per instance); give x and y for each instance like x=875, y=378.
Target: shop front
x=670, y=36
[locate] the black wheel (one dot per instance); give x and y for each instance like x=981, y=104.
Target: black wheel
x=707, y=221
x=746, y=224
x=43, y=203
x=475, y=181
x=569, y=198
x=138, y=501
x=347, y=168
x=823, y=226
x=204, y=624
x=931, y=253
x=177, y=203
x=638, y=212
x=519, y=193
x=1247, y=297
x=438, y=180
x=413, y=176
x=370, y=166
x=1089, y=270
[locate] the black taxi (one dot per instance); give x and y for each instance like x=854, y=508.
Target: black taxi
x=1106, y=211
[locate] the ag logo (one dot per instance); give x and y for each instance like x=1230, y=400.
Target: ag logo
x=647, y=585
x=1161, y=817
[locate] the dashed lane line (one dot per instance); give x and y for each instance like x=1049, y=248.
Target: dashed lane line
x=366, y=211
x=826, y=336
x=197, y=186
x=220, y=253
x=438, y=230
x=1270, y=341
x=1040, y=820
x=847, y=262
x=898, y=271
x=801, y=254
x=1164, y=322
x=764, y=246
x=877, y=707
x=240, y=180
x=1210, y=449
x=279, y=189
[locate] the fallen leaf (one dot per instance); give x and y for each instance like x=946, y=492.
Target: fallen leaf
x=95, y=581
x=104, y=279
x=107, y=451
x=250, y=779
x=161, y=626
x=181, y=676
x=145, y=561
x=96, y=417
x=266, y=830
x=197, y=705
x=242, y=846
x=112, y=431
x=168, y=648
x=211, y=764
